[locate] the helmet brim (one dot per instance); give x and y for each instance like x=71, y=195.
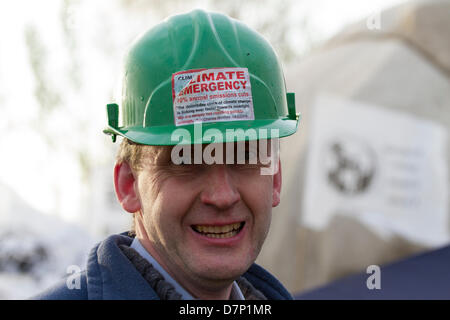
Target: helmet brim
x=208, y=132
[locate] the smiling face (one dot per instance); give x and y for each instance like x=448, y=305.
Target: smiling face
x=205, y=224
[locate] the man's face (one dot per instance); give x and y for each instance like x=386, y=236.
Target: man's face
x=205, y=223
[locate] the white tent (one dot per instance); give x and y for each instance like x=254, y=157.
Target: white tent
x=393, y=68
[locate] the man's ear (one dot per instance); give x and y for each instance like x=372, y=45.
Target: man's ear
x=276, y=191
x=125, y=186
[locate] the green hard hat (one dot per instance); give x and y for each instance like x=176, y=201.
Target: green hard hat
x=206, y=69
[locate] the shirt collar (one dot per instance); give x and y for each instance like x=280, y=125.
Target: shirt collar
x=236, y=293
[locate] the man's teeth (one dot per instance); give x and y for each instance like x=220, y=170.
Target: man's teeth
x=225, y=231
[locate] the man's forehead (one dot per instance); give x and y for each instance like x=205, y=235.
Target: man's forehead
x=162, y=154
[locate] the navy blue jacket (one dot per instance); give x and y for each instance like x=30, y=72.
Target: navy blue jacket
x=422, y=276
x=109, y=275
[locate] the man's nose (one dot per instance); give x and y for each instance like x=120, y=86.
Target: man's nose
x=219, y=189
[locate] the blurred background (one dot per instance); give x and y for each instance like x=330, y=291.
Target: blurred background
x=365, y=180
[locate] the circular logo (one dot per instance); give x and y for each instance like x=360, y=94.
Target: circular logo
x=349, y=165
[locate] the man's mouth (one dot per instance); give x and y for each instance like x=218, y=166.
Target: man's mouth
x=219, y=232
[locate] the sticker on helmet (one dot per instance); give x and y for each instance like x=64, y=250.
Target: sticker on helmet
x=212, y=95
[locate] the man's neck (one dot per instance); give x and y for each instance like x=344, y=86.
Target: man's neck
x=213, y=291
x=205, y=293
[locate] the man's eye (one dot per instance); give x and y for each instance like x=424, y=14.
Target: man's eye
x=251, y=157
x=187, y=165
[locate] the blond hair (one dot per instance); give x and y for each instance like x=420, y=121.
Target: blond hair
x=131, y=153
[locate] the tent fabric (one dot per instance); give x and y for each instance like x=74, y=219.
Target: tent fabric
x=402, y=67
x=424, y=276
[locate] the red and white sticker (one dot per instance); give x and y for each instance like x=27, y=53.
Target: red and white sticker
x=212, y=95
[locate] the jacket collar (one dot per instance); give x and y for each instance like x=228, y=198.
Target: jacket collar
x=110, y=275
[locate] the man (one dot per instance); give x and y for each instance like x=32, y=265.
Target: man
x=201, y=210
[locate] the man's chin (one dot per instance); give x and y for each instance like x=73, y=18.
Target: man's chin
x=218, y=272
